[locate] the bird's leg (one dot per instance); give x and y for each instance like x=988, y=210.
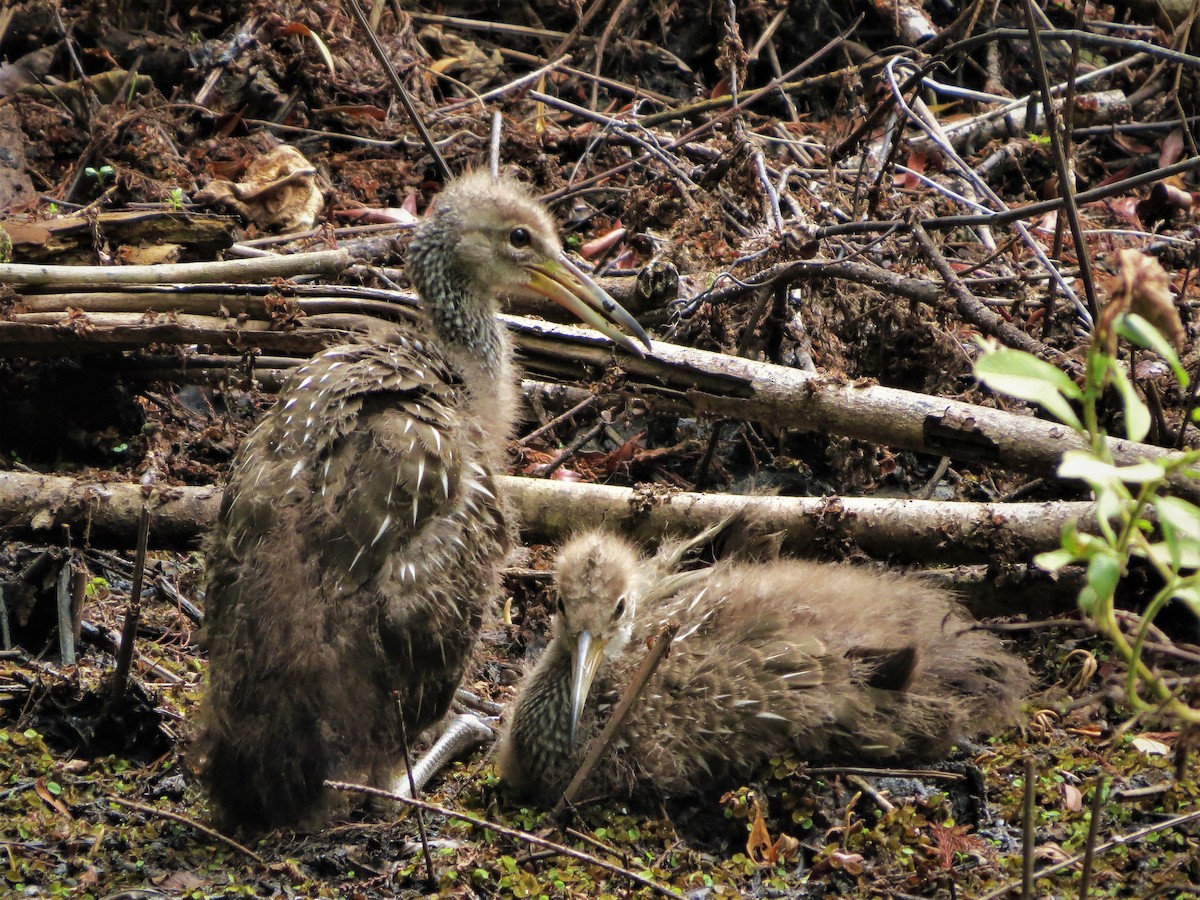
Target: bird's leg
x=463, y=732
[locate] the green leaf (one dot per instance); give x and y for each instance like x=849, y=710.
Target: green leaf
x=1137, y=416
x=1082, y=465
x=1182, y=516
x=1134, y=328
x=1103, y=573
x=1026, y=377
x=1053, y=560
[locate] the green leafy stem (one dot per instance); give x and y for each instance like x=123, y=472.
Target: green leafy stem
x=1133, y=515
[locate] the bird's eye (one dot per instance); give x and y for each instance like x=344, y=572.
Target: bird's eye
x=520, y=238
x=620, y=609
x=561, y=607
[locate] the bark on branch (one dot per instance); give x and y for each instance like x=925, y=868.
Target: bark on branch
x=671, y=378
x=46, y=507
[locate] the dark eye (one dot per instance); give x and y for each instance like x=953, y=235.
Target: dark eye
x=620, y=610
x=520, y=238
x=561, y=607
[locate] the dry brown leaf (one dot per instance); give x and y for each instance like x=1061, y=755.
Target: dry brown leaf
x=1150, y=746
x=758, y=844
x=279, y=192
x=1072, y=798
x=50, y=799
x=785, y=849
x=1140, y=286
x=850, y=863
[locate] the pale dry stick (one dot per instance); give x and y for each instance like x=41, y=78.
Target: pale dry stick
x=764, y=179
x=1119, y=841
x=514, y=833
x=959, y=132
x=601, y=742
x=684, y=378
x=955, y=533
x=322, y=262
x=191, y=823
x=1085, y=38
x=514, y=85
x=1066, y=179
x=1030, y=211
x=930, y=774
x=921, y=116
x=869, y=789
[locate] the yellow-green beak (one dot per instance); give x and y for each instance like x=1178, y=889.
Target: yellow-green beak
x=588, y=655
x=563, y=282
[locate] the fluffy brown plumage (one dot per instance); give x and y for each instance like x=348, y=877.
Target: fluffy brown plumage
x=360, y=532
x=832, y=662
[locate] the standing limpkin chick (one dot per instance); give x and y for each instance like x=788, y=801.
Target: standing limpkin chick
x=831, y=662
x=360, y=533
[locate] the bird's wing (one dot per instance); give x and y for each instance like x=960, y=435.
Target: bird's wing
x=366, y=444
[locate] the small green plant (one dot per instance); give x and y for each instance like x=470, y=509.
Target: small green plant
x=1128, y=497
x=102, y=174
x=175, y=199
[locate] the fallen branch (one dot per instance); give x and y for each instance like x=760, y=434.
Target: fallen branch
x=675, y=378
x=322, y=262
x=41, y=507
x=723, y=386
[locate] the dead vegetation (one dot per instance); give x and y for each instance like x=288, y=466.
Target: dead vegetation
x=816, y=210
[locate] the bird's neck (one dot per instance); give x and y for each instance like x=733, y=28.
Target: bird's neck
x=467, y=326
x=542, y=721
x=479, y=348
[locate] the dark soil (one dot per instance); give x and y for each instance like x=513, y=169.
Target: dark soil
x=98, y=796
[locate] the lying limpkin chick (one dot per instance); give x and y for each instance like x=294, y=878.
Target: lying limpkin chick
x=359, y=535
x=834, y=663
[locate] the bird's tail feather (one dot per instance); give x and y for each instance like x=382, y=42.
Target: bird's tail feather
x=269, y=770
x=964, y=683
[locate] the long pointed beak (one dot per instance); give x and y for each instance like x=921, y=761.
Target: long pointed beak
x=563, y=282
x=588, y=654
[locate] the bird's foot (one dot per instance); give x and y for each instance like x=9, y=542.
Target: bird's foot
x=463, y=732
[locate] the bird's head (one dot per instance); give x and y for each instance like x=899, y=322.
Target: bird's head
x=598, y=589
x=488, y=237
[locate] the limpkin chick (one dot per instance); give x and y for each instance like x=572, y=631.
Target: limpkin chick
x=834, y=663
x=359, y=536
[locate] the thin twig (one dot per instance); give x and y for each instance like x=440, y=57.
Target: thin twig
x=869, y=789
x=405, y=99
x=601, y=742
x=579, y=407
x=514, y=833
x=412, y=787
x=1066, y=181
x=1119, y=841
x=134, y=610
x=1089, y=853
x=191, y=823
x=1027, y=829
